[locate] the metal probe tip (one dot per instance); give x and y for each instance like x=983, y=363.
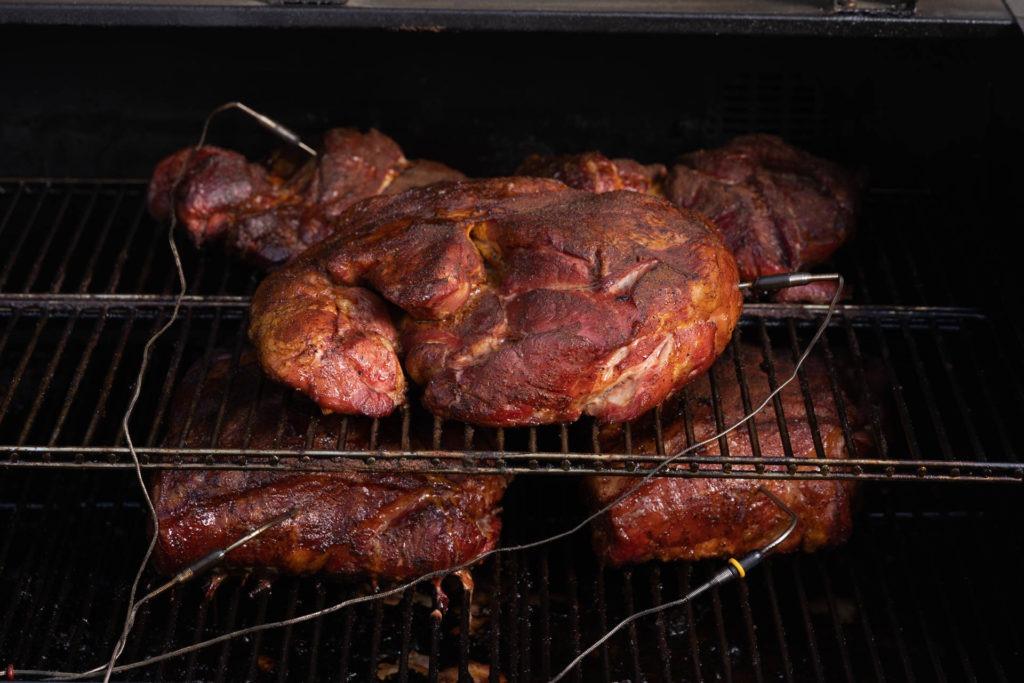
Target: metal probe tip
x=793, y=519
x=213, y=558
x=786, y=280
x=268, y=123
x=262, y=528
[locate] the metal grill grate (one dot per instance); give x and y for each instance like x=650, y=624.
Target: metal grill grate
x=87, y=279
x=893, y=604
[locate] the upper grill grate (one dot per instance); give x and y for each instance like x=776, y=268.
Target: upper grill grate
x=88, y=278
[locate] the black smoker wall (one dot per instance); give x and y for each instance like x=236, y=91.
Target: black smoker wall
x=111, y=102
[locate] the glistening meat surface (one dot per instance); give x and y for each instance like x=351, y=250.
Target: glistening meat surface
x=382, y=525
x=525, y=302
x=779, y=209
x=269, y=215
x=670, y=518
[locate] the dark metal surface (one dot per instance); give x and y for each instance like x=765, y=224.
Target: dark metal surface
x=893, y=604
x=741, y=17
x=886, y=7
x=87, y=278
x=1016, y=9
x=112, y=102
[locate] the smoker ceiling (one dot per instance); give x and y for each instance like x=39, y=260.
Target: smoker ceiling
x=785, y=17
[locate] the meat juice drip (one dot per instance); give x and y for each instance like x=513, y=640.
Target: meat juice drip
x=213, y=584
x=441, y=600
x=466, y=579
x=263, y=585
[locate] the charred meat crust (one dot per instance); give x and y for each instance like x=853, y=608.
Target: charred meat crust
x=269, y=215
x=670, y=518
x=525, y=302
x=778, y=208
x=385, y=525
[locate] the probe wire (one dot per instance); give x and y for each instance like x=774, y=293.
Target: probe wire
x=735, y=569
x=134, y=605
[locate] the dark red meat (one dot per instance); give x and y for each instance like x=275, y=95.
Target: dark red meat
x=779, y=209
x=335, y=343
x=672, y=518
x=384, y=525
x=270, y=215
x=527, y=302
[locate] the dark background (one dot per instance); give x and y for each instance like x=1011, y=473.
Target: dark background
x=109, y=102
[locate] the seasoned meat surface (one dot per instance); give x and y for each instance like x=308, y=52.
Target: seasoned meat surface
x=420, y=173
x=525, y=302
x=779, y=209
x=383, y=525
x=270, y=215
x=670, y=518
x=337, y=344
x=594, y=172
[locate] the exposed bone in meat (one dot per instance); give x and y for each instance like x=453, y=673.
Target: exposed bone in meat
x=670, y=518
x=270, y=215
x=383, y=525
x=527, y=303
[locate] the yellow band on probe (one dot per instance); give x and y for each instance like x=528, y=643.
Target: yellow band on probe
x=739, y=567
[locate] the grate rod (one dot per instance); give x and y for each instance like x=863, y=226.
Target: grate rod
x=773, y=384
x=751, y=311
x=805, y=612
x=805, y=389
x=189, y=458
x=476, y=462
x=20, y=240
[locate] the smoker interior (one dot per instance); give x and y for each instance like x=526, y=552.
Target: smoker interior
x=924, y=589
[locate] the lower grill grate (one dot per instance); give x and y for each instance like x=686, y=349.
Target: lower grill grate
x=895, y=603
